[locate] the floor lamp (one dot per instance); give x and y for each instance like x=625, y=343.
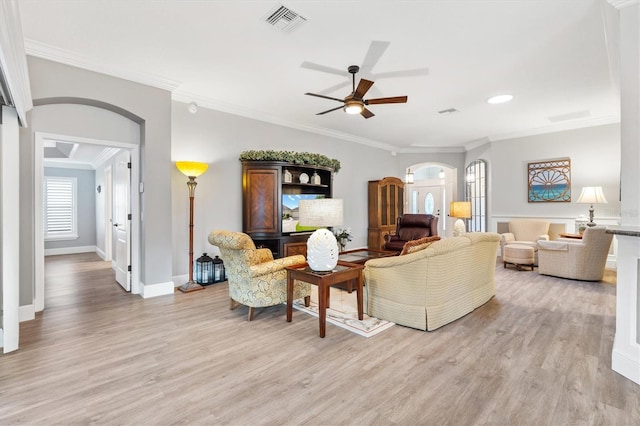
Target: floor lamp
x=192, y=170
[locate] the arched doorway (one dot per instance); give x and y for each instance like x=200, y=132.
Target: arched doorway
x=431, y=191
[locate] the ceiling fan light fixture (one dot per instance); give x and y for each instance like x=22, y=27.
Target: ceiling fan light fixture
x=353, y=107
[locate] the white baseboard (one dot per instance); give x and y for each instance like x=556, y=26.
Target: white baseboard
x=26, y=313
x=178, y=280
x=625, y=363
x=157, y=289
x=1, y=338
x=101, y=253
x=69, y=250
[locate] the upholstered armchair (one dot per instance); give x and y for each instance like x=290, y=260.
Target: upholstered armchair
x=411, y=227
x=580, y=260
x=255, y=278
x=526, y=232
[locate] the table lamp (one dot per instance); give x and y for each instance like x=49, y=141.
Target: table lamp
x=592, y=195
x=461, y=210
x=322, y=247
x=192, y=170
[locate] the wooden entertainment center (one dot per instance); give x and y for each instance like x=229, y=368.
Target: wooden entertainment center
x=265, y=184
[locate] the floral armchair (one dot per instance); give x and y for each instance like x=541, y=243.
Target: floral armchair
x=255, y=278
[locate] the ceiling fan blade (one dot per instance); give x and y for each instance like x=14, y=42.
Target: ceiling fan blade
x=392, y=100
x=363, y=87
x=403, y=73
x=373, y=55
x=366, y=113
x=329, y=110
x=324, y=97
x=334, y=88
x=323, y=68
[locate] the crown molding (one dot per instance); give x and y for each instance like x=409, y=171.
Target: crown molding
x=105, y=155
x=65, y=163
x=619, y=4
x=13, y=61
x=45, y=51
x=187, y=98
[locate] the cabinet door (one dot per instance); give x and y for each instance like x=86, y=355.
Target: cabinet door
x=262, y=201
x=291, y=249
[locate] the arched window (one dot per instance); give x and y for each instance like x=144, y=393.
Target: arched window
x=475, y=191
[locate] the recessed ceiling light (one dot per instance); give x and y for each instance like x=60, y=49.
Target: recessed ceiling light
x=499, y=99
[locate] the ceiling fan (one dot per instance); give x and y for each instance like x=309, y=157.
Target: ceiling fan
x=355, y=103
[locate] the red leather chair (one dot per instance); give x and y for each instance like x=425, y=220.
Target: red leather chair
x=411, y=227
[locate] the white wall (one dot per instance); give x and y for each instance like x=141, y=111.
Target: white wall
x=595, y=161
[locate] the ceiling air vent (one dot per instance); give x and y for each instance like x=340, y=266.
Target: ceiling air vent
x=448, y=111
x=284, y=19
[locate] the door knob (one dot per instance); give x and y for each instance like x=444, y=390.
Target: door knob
x=115, y=225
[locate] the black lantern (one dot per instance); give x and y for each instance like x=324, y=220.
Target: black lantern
x=204, y=270
x=219, y=273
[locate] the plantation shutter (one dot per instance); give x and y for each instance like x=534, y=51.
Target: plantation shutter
x=60, y=207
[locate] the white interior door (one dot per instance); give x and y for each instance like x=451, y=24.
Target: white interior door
x=121, y=221
x=108, y=215
x=430, y=200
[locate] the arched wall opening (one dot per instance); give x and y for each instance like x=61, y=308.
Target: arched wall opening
x=84, y=121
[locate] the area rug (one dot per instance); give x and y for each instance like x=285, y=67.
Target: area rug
x=344, y=313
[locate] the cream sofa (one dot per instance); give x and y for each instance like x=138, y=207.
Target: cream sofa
x=583, y=260
x=435, y=286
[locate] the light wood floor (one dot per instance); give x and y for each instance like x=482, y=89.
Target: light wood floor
x=538, y=353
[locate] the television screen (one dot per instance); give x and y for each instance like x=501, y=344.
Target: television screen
x=290, y=204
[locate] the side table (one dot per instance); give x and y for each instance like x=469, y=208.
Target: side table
x=571, y=236
x=344, y=272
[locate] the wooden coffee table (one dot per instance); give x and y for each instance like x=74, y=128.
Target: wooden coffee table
x=343, y=272
x=360, y=256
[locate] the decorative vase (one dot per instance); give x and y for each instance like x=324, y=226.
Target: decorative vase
x=315, y=179
x=287, y=176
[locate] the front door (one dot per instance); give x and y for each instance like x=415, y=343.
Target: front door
x=429, y=200
x=121, y=221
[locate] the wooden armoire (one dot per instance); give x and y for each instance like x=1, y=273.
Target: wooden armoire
x=265, y=185
x=386, y=203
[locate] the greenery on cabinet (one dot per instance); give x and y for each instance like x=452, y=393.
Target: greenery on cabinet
x=307, y=158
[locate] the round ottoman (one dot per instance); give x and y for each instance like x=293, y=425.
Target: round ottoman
x=519, y=255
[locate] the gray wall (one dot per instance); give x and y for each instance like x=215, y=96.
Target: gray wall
x=86, y=191
x=150, y=108
x=218, y=138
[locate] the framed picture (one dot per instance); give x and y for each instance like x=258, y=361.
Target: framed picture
x=550, y=181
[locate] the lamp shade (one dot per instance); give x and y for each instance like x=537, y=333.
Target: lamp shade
x=592, y=195
x=321, y=212
x=460, y=209
x=191, y=168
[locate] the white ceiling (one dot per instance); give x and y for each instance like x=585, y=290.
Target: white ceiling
x=551, y=55
x=73, y=154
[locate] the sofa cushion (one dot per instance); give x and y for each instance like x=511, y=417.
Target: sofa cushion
x=419, y=244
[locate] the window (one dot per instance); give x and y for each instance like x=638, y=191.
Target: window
x=475, y=191
x=60, y=208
